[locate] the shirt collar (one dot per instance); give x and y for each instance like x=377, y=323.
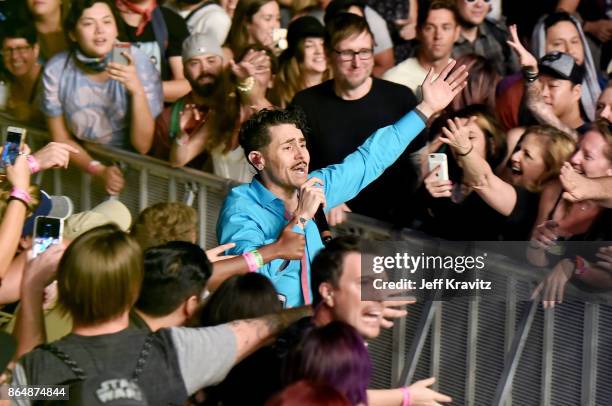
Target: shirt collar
x=262, y=193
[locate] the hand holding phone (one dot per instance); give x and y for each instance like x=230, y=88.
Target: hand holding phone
x=119, y=49
x=437, y=159
x=47, y=232
x=15, y=137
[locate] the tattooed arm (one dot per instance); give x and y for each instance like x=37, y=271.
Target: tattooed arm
x=254, y=333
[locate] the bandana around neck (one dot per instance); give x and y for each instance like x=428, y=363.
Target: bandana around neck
x=95, y=64
x=126, y=6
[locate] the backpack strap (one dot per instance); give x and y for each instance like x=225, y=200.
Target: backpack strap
x=200, y=7
x=65, y=358
x=143, y=357
x=160, y=30
x=81, y=375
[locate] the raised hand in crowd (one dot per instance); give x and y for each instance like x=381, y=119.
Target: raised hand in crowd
x=38, y=274
x=437, y=187
x=253, y=62
x=311, y=196
x=526, y=59
x=54, y=155
x=337, y=215
x=552, y=288
x=439, y=92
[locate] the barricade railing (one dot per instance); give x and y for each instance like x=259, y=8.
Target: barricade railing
x=483, y=352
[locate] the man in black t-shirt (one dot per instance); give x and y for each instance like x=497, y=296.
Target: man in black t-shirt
x=341, y=113
x=159, y=32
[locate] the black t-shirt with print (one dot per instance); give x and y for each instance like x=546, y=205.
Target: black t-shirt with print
x=177, y=33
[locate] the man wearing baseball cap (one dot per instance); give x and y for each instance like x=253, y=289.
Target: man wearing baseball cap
x=203, y=67
x=561, y=78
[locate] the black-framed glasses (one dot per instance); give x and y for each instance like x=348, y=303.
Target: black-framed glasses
x=473, y=1
x=349, y=54
x=17, y=50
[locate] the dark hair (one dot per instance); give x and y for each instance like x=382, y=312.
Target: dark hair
x=334, y=354
x=19, y=29
x=308, y=393
x=557, y=17
x=254, y=133
x=481, y=83
x=240, y=297
x=336, y=7
x=437, y=5
x=327, y=265
x=343, y=26
x=77, y=7
x=173, y=272
x=237, y=37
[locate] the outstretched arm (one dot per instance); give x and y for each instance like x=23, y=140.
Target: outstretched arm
x=344, y=181
x=498, y=194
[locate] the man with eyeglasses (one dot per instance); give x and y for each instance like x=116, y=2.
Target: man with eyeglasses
x=20, y=56
x=342, y=112
x=484, y=37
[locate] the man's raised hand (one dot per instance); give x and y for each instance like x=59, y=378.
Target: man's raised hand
x=439, y=92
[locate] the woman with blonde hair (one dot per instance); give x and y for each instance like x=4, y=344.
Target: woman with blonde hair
x=303, y=64
x=536, y=160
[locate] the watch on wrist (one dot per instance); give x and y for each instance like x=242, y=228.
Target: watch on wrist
x=303, y=221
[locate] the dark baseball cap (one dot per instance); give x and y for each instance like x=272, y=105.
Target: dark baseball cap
x=561, y=66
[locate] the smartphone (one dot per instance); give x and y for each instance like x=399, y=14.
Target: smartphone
x=15, y=137
x=47, y=232
x=118, y=50
x=434, y=160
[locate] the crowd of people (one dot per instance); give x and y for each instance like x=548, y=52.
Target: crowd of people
x=308, y=104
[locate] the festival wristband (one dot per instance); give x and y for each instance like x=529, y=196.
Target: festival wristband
x=251, y=262
x=21, y=195
x=406, y=396
x=33, y=164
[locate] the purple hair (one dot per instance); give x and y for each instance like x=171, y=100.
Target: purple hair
x=334, y=354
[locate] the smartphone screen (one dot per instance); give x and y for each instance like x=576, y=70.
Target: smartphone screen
x=47, y=232
x=118, y=49
x=11, y=146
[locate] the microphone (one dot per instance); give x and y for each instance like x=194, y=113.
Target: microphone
x=321, y=222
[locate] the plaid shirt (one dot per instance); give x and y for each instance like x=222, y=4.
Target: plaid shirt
x=488, y=46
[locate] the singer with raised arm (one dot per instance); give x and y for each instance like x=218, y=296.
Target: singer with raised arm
x=254, y=214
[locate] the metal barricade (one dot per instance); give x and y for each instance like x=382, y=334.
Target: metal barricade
x=507, y=352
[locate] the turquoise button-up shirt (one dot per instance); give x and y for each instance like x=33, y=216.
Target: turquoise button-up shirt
x=252, y=216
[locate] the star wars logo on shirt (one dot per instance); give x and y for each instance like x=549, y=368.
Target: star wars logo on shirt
x=118, y=389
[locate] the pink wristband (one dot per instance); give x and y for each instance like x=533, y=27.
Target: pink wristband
x=250, y=260
x=22, y=195
x=406, y=396
x=33, y=164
